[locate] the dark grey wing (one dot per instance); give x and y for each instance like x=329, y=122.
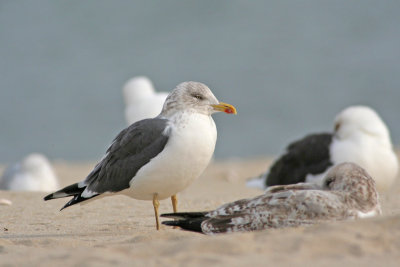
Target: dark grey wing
x=309, y=155
x=134, y=147
x=190, y=221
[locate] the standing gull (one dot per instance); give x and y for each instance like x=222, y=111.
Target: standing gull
x=359, y=136
x=141, y=99
x=348, y=192
x=154, y=159
x=33, y=173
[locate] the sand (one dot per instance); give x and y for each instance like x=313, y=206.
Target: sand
x=119, y=231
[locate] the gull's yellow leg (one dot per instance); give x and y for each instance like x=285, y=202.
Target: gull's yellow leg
x=174, y=201
x=156, y=204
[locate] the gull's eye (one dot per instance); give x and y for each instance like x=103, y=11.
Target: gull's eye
x=337, y=126
x=329, y=181
x=198, y=96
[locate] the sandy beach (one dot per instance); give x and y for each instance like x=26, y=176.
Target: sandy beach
x=120, y=231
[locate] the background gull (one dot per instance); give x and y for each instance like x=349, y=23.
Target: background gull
x=156, y=158
x=348, y=192
x=5, y=202
x=141, y=99
x=359, y=136
x=33, y=173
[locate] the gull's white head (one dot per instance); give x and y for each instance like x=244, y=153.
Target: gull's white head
x=137, y=89
x=34, y=163
x=356, y=120
x=352, y=179
x=194, y=97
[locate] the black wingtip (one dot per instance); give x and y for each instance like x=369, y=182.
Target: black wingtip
x=75, y=200
x=171, y=223
x=48, y=197
x=192, y=224
x=184, y=215
x=71, y=190
x=67, y=204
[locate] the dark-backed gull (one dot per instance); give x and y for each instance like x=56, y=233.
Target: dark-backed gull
x=33, y=173
x=348, y=192
x=154, y=159
x=359, y=136
x=141, y=99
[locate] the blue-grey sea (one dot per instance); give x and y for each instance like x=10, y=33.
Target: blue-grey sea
x=288, y=66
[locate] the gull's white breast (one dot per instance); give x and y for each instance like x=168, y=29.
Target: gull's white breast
x=378, y=159
x=188, y=151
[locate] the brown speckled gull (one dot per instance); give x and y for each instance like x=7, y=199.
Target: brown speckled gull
x=348, y=192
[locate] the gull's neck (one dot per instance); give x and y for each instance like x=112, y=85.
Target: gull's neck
x=178, y=116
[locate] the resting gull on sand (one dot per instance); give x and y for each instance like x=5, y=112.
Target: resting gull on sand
x=141, y=99
x=359, y=136
x=348, y=192
x=33, y=173
x=154, y=159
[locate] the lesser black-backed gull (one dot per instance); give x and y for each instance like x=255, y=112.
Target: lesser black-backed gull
x=348, y=192
x=154, y=159
x=33, y=173
x=141, y=99
x=359, y=136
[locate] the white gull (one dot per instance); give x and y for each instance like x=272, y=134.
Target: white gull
x=359, y=136
x=33, y=173
x=154, y=159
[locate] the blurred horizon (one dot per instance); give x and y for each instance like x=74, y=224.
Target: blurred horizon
x=288, y=67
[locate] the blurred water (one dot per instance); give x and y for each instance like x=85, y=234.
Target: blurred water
x=288, y=67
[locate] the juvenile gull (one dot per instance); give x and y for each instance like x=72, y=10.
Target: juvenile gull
x=141, y=99
x=359, y=136
x=348, y=192
x=33, y=173
x=154, y=159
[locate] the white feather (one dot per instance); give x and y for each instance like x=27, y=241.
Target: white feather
x=183, y=159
